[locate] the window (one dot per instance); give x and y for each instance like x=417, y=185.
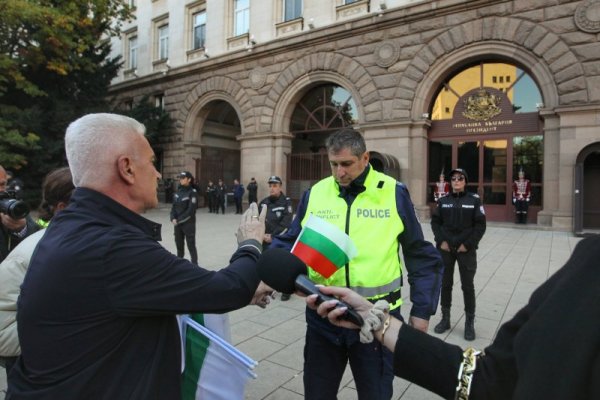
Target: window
x=292, y=9
x=163, y=42
x=131, y=3
x=241, y=19
x=350, y=1
x=199, y=30
x=133, y=50
x=494, y=79
x=507, y=78
x=501, y=79
x=159, y=101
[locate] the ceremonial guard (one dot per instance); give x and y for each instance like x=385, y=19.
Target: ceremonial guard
x=442, y=188
x=521, y=196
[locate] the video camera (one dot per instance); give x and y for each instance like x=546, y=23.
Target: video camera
x=11, y=206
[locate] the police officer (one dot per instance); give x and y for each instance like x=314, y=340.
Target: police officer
x=377, y=213
x=183, y=215
x=458, y=224
x=279, y=211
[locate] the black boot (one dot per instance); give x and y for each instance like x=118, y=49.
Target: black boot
x=444, y=324
x=470, y=327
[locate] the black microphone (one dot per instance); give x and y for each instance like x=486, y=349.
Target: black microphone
x=286, y=273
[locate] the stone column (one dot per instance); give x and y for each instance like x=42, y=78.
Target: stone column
x=551, y=167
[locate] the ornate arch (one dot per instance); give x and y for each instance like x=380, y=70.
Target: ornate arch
x=214, y=88
x=311, y=70
x=549, y=60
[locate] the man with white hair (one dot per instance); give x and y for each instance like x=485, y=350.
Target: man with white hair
x=96, y=315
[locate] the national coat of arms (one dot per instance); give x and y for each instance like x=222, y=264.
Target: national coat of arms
x=482, y=106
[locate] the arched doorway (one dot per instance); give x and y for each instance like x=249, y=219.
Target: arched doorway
x=220, y=150
x=587, y=191
x=324, y=109
x=485, y=120
x=385, y=163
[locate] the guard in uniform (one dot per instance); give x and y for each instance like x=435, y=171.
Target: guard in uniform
x=183, y=216
x=458, y=224
x=442, y=188
x=521, y=196
x=279, y=211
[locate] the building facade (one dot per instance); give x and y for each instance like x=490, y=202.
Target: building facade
x=256, y=86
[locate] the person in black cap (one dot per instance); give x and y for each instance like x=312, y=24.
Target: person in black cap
x=279, y=214
x=183, y=215
x=279, y=211
x=458, y=224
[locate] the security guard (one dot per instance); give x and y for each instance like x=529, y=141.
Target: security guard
x=376, y=212
x=458, y=224
x=183, y=215
x=279, y=211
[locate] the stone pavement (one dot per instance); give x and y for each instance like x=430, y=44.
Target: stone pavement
x=513, y=261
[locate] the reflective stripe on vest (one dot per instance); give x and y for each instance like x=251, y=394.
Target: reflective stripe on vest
x=374, y=226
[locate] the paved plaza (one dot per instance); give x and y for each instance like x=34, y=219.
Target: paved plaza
x=513, y=261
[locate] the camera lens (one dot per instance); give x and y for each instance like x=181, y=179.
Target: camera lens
x=18, y=209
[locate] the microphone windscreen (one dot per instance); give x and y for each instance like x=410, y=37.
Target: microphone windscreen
x=279, y=269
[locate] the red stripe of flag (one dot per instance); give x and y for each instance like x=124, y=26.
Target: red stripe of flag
x=314, y=259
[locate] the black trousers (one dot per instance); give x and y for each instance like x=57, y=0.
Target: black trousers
x=238, y=205
x=467, y=265
x=521, y=207
x=187, y=231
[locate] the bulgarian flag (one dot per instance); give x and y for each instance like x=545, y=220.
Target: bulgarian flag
x=212, y=369
x=323, y=246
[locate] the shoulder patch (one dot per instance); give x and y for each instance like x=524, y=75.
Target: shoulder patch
x=475, y=195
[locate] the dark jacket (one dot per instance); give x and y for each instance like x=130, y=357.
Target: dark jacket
x=96, y=315
x=221, y=192
x=279, y=214
x=459, y=219
x=185, y=203
x=9, y=240
x=252, y=190
x=549, y=350
x=238, y=191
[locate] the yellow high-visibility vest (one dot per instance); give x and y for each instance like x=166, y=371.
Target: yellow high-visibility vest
x=373, y=224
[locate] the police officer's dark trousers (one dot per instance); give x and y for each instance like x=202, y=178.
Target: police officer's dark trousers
x=467, y=265
x=327, y=351
x=187, y=231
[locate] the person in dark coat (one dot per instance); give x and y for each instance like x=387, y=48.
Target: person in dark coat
x=97, y=310
x=220, y=193
x=549, y=350
x=211, y=194
x=238, y=194
x=279, y=210
x=458, y=224
x=252, y=191
x=183, y=216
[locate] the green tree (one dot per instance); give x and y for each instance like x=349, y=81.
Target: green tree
x=54, y=67
x=158, y=122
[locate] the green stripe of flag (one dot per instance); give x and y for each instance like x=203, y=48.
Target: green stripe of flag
x=196, y=347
